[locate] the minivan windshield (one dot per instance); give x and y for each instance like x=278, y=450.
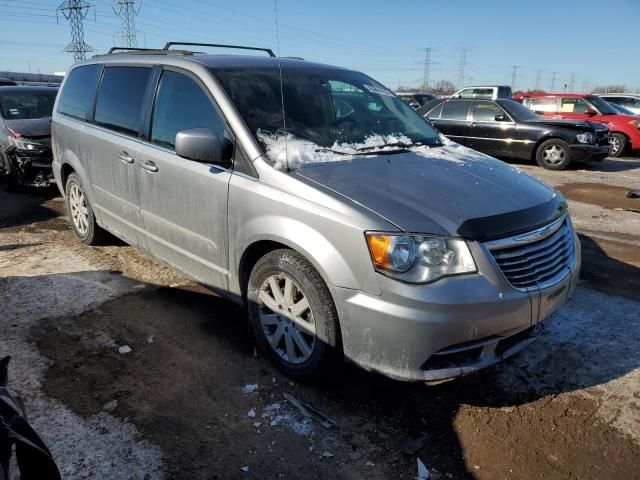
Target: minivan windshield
x=332, y=108
x=27, y=105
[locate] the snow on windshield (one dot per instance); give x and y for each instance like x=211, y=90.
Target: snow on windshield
x=290, y=151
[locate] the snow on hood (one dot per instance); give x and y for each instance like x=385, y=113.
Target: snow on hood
x=291, y=151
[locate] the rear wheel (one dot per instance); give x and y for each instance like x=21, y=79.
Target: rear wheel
x=554, y=154
x=292, y=315
x=80, y=212
x=617, y=144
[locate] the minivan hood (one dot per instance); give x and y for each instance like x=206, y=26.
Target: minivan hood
x=435, y=190
x=34, y=128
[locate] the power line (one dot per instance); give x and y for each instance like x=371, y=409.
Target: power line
x=553, y=81
x=126, y=11
x=514, y=76
x=427, y=68
x=538, y=77
x=75, y=11
x=461, y=66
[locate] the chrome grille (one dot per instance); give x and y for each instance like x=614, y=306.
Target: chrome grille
x=538, y=258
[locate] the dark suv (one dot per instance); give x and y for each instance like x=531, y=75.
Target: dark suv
x=505, y=128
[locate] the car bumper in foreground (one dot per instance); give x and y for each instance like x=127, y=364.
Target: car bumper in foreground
x=452, y=327
x=584, y=153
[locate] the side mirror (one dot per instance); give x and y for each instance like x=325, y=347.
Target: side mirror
x=591, y=112
x=414, y=105
x=501, y=117
x=201, y=145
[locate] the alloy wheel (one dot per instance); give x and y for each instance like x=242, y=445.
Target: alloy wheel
x=79, y=211
x=286, y=318
x=553, y=155
x=614, y=145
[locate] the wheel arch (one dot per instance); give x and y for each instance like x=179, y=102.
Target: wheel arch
x=540, y=141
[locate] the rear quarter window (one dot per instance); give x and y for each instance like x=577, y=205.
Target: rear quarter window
x=76, y=98
x=121, y=98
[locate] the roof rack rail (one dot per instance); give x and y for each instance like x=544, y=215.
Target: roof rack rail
x=127, y=49
x=239, y=47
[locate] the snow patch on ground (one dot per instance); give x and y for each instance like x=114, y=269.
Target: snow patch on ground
x=280, y=414
x=94, y=447
x=591, y=347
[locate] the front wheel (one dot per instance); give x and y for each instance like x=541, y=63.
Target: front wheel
x=554, y=154
x=617, y=144
x=292, y=314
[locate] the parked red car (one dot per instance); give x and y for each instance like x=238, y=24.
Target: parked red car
x=625, y=129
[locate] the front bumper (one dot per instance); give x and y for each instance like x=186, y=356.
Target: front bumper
x=32, y=168
x=452, y=327
x=584, y=153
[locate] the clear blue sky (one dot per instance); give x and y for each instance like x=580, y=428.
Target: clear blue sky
x=597, y=41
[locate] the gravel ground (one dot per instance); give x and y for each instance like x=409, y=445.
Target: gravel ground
x=178, y=405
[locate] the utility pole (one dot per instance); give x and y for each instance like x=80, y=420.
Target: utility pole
x=75, y=11
x=461, y=66
x=538, y=77
x=127, y=11
x=427, y=68
x=514, y=76
x=572, y=82
x=553, y=81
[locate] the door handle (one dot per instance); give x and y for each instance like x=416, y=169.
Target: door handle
x=149, y=166
x=124, y=156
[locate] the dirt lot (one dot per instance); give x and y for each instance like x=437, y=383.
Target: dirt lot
x=176, y=406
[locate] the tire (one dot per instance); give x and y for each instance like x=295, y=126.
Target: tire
x=553, y=154
x=281, y=331
x=81, y=216
x=617, y=145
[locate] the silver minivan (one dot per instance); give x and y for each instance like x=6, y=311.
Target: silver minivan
x=347, y=226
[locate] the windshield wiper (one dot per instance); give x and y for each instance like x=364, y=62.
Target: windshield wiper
x=399, y=147
x=337, y=152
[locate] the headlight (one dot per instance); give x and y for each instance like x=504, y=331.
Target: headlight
x=635, y=123
x=419, y=258
x=586, y=137
x=22, y=144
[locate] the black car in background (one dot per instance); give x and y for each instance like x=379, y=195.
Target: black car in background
x=25, y=135
x=416, y=99
x=505, y=128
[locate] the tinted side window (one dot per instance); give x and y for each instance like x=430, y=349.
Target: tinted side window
x=455, y=111
x=121, y=98
x=486, y=111
x=181, y=104
x=76, y=98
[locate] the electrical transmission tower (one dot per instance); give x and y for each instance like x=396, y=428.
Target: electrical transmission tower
x=127, y=11
x=538, y=76
x=75, y=11
x=461, y=66
x=427, y=68
x=553, y=81
x=572, y=83
x=514, y=76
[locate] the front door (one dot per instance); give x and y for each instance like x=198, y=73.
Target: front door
x=492, y=131
x=183, y=202
x=113, y=140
